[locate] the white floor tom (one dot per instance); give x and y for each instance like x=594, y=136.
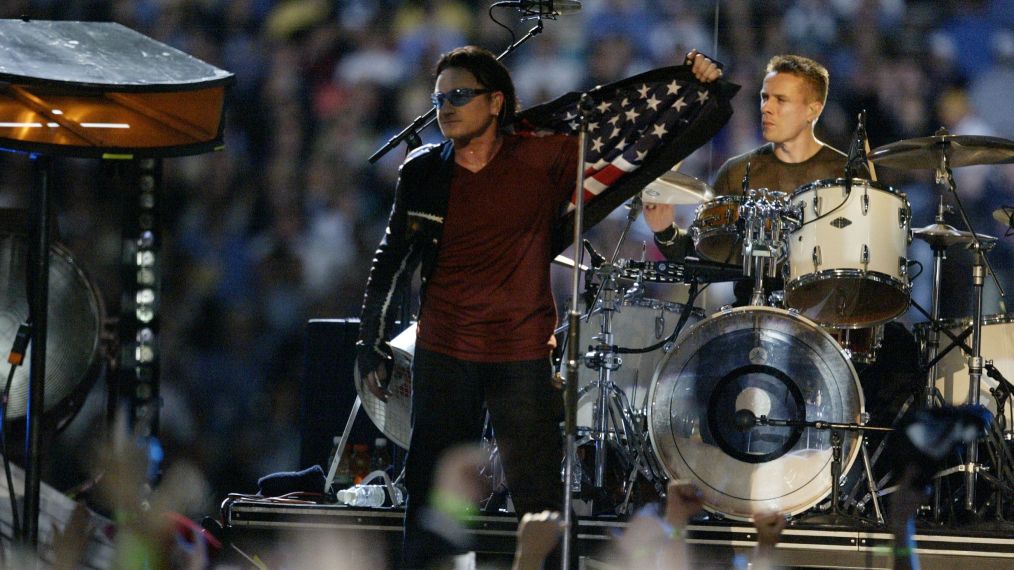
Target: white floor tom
x=952, y=371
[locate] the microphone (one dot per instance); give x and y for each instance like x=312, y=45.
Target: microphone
x=744, y=420
x=543, y=8
x=596, y=258
x=635, y=208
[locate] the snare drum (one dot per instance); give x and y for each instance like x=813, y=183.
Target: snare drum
x=847, y=261
x=952, y=370
x=637, y=323
x=715, y=232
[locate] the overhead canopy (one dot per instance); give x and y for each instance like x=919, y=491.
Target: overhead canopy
x=101, y=89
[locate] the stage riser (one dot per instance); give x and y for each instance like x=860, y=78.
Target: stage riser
x=259, y=526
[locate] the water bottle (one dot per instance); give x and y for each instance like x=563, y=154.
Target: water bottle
x=366, y=495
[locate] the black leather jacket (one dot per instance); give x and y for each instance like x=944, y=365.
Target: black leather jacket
x=413, y=236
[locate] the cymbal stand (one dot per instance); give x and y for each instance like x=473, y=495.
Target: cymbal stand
x=979, y=268
x=612, y=413
x=933, y=336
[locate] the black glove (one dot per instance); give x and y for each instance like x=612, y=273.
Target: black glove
x=370, y=359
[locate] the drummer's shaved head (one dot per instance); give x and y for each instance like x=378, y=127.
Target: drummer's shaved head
x=814, y=74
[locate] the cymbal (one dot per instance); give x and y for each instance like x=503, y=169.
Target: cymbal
x=961, y=150
x=567, y=262
x=943, y=235
x=676, y=188
x=1004, y=215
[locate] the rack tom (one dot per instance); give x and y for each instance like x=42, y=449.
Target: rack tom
x=847, y=260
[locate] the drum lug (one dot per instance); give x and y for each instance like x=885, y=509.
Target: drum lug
x=903, y=215
x=816, y=256
x=816, y=204
x=866, y=203
x=864, y=257
x=659, y=326
x=903, y=266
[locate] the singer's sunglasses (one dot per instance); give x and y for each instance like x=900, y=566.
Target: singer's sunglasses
x=457, y=97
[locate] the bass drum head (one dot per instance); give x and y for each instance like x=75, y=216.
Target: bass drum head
x=772, y=363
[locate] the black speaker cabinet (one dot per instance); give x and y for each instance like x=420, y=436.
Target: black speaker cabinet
x=328, y=391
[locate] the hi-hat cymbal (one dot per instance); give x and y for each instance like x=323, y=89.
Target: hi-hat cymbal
x=961, y=150
x=677, y=188
x=943, y=235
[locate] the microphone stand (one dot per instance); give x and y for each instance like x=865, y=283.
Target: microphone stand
x=411, y=132
x=835, y=516
x=574, y=339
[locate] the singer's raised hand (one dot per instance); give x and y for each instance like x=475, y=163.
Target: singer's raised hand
x=704, y=69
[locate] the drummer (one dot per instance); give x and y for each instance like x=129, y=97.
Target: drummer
x=792, y=98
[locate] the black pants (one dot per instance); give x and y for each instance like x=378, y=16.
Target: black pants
x=449, y=400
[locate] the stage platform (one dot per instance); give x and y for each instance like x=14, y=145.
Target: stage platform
x=255, y=526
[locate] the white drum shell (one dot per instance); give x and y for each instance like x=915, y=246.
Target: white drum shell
x=997, y=345
x=848, y=262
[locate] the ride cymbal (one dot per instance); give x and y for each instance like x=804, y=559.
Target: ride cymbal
x=961, y=150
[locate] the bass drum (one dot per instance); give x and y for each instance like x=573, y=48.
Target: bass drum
x=771, y=363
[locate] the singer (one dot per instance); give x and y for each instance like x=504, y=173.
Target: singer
x=478, y=213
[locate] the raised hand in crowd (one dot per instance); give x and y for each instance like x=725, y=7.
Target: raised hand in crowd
x=538, y=535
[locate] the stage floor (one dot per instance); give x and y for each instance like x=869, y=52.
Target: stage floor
x=256, y=527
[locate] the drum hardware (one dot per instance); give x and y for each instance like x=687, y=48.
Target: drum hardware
x=746, y=420
x=613, y=418
x=940, y=152
x=765, y=219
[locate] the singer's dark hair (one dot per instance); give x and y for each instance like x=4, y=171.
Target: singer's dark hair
x=814, y=74
x=489, y=72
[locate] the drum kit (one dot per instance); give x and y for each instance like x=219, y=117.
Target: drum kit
x=761, y=406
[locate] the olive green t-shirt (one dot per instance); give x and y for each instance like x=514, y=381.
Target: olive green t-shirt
x=767, y=171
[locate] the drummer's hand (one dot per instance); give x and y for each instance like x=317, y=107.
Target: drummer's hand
x=376, y=383
x=658, y=216
x=704, y=69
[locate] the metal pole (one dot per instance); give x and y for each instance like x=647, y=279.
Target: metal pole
x=38, y=294
x=975, y=370
x=573, y=340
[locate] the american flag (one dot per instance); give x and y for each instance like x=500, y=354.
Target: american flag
x=638, y=129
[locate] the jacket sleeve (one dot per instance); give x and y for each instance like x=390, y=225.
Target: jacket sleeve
x=393, y=264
